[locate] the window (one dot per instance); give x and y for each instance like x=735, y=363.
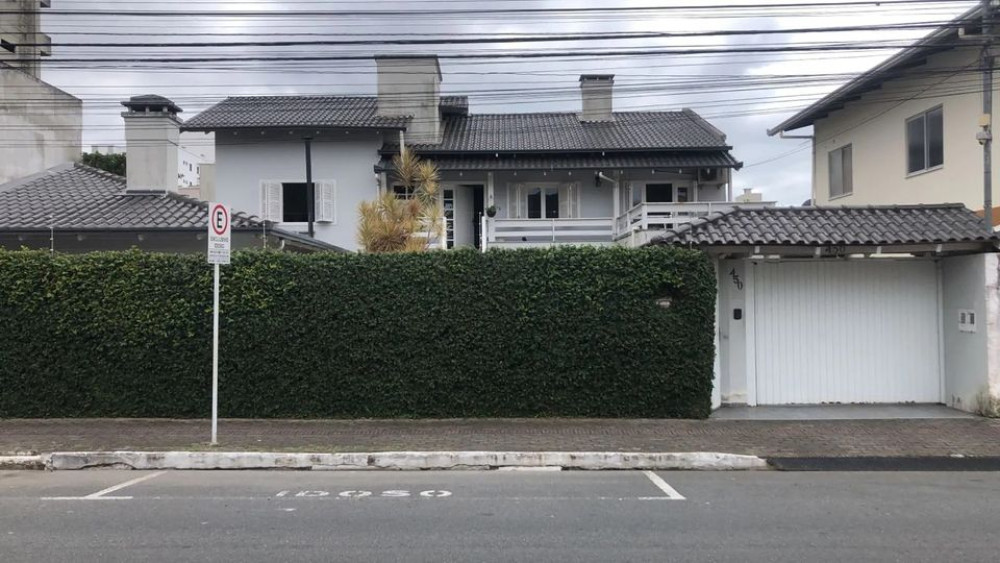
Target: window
x=925, y=141
x=294, y=203
x=403, y=192
x=543, y=203
x=659, y=193
x=636, y=195
x=841, y=171
x=285, y=202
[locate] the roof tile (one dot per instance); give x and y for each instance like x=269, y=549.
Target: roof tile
x=822, y=226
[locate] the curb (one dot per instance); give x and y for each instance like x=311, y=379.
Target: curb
x=876, y=463
x=700, y=461
x=22, y=462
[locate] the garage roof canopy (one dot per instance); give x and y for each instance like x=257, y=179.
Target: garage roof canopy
x=903, y=228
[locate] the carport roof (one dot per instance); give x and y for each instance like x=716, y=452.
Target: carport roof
x=833, y=226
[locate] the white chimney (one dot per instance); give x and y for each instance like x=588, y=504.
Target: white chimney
x=152, y=133
x=597, y=93
x=410, y=85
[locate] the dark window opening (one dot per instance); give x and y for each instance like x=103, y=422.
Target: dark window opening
x=295, y=203
x=659, y=193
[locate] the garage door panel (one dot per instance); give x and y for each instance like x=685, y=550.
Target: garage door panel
x=862, y=331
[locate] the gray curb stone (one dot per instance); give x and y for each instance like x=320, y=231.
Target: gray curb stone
x=22, y=462
x=704, y=461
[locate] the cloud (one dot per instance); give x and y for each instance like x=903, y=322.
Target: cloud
x=742, y=94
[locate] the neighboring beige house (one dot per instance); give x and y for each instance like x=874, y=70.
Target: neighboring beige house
x=905, y=131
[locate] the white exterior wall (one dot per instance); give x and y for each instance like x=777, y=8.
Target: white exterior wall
x=241, y=165
x=965, y=353
x=42, y=125
x=876, y=131
x=731, y=377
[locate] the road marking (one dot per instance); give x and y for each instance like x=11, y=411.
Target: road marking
x=433, y=494
x=395, y=493
x=100, y=495
x=671, y=493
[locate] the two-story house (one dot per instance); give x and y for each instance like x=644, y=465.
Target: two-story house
x=593, y=176
x=907, y=132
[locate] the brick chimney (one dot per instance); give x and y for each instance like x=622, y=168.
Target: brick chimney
x=596, y=91
x=410, y=85
x=152, y=132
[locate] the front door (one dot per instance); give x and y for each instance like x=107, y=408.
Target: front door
x=477, y=214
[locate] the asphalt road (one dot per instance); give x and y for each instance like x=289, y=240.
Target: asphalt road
x=498, y=516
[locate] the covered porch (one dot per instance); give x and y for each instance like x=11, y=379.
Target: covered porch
x=510, y=201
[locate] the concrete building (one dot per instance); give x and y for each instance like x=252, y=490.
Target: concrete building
x=22, y=43
x=589, y=176
x=42, y=125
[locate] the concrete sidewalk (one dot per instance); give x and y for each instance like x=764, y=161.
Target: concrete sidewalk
x=973, y=437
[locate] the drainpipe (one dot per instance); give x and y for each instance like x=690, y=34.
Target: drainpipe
x=310, y=190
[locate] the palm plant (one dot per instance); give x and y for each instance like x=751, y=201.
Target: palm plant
x=391, y=224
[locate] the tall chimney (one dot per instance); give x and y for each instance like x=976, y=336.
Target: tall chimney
x=152, y=132
x=410, y=85
x=597, y=93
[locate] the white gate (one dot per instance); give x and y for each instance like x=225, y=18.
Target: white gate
x=863, y=331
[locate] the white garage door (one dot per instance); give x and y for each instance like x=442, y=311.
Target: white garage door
x=846, y=332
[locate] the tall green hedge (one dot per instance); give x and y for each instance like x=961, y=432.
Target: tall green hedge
x=563, y=332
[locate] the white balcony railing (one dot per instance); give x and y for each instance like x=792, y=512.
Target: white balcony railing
x=661, y=216
x=639, y=224
x=546, y=232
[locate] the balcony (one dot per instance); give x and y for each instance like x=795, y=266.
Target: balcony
x=514, y=233
x=635, y=227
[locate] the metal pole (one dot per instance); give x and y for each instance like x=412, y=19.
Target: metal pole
x=310, y=190
x=986, y=63
x=215, y=359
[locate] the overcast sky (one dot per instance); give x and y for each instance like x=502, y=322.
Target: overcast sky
x=741, y=93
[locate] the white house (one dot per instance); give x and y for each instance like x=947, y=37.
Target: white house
x=593, y=176
x=75, y=208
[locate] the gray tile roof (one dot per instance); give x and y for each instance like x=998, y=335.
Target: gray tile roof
x=540, y=132
x=823, y=226
x=515, y=132
x=293, y=111
x=532, y=161
x=75, y=196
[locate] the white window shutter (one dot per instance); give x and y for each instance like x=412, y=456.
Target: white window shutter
x=270, y=201
x=326, y=201
x=519, y=202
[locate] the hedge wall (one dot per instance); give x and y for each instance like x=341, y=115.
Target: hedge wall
x=563, y=332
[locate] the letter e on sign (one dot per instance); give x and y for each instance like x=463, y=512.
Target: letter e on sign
x=219, y=231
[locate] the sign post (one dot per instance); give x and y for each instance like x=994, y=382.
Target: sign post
x=218, y=253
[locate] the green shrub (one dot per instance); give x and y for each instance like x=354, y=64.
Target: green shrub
x=562, y=332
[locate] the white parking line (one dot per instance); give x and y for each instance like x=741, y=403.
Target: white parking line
x=100, y=495
x=671, y=492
